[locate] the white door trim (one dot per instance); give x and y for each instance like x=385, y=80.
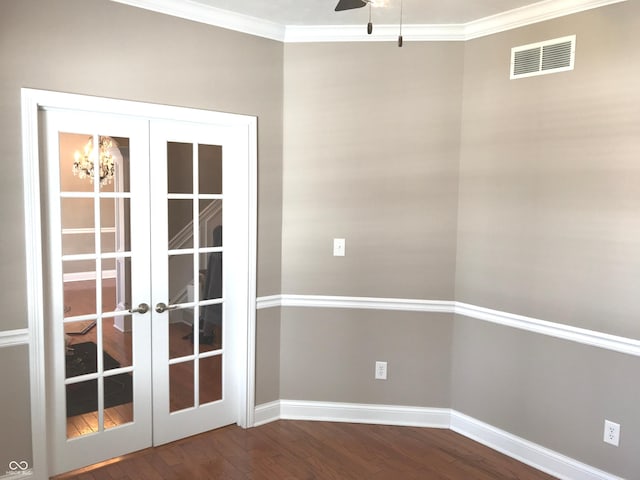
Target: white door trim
x=35, y=100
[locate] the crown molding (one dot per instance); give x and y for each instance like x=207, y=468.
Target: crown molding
x=381, y=33
x=538, y=12
x=217, y=17
x=516, y=18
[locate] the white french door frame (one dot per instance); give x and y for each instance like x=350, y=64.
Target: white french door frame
x=32, y=102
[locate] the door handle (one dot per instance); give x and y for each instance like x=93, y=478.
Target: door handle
x=163, y=307
x=142, y=308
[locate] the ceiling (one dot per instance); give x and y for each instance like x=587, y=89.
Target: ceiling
x=321, y=12
x=317, y=21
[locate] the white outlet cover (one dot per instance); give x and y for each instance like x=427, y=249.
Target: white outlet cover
x=381, y=371
x=611, y=433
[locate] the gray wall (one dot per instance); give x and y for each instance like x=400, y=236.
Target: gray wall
x=106, y=49
x=370, y=155
x=549, y=227
x=330, y=354
x=549, y=391
x=143, y=56
x=446, y=179
x=267, y=355
x=549, y=219
x=15, y=419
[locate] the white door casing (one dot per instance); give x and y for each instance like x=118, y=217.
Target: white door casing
x=242, y=127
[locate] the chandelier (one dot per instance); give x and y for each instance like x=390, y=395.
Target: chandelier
x=84, y=163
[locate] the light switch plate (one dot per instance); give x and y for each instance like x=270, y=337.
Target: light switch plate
x=338, y=247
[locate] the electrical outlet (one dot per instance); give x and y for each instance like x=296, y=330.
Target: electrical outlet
x=381, y=370
x=611, y=433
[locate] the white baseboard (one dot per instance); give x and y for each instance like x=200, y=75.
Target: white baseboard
x=364, y=413
x=527, y=452
x=266, y=413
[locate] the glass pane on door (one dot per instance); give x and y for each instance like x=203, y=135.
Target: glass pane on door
x=79, y=287
x=82, y=406
x=181, y=386
x=180, y=167
x=194, y=184
x=78, y=225
x=209, y=169
x=181, y=332
x=96, y=281
x=210, y=379
x=210, y=217
x=87, y=162
x=180, y=227
x=211, y=298
x=115, y=238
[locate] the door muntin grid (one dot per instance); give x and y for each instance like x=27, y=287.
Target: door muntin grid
x=96, y=282
x=194, y=263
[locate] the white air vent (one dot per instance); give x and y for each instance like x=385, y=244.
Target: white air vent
x=552, y=56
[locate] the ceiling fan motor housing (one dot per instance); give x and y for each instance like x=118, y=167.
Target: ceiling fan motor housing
x=350, y=4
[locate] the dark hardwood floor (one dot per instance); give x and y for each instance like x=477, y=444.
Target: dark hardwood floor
x=283, y=450
x=288, y=450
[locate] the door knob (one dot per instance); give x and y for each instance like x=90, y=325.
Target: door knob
x=163, y=307
x=142, y=308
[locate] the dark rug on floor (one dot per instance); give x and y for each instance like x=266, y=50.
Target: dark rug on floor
x=83, y=397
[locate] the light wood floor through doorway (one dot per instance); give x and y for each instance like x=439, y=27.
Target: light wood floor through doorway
x=288, y=450
x=79, y=299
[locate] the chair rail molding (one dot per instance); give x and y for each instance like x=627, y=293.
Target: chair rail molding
x=11, y=338
x=630, y=346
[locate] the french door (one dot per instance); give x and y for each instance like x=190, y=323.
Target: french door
x=145, y=281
